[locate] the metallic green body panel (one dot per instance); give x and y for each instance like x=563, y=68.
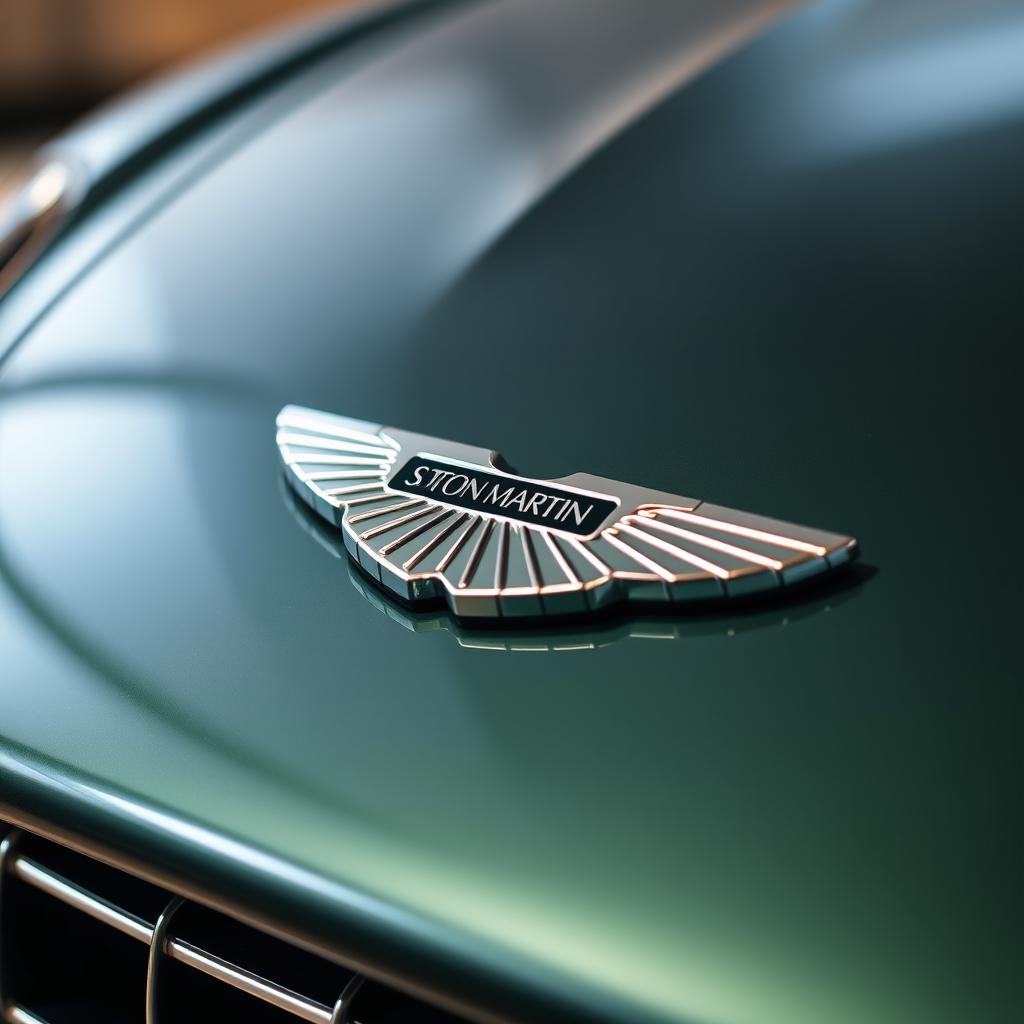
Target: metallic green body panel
x=789, y=289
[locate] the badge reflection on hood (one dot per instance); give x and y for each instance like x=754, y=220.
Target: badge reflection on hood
x=432, y=519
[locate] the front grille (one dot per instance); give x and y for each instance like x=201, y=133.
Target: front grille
x=82, y=942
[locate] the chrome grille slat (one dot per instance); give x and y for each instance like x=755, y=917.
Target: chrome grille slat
x=31, y=869
x=252, y=984
x=75, y=896
x=184, y=952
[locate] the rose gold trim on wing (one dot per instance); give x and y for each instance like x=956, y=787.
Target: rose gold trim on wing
x=433, y=542
x=335, y=492
x=745, y=531
x=412, y=503
x=501, y=562
x=637, y=556
x=709, y=542
x=376, y=531
x=353, y=460
x=563, y=562
x=474, y=558
x=348, y=467
x=471, y=526
x=671, y=549
x=312, y=459
x=340, y=474
x=334, y=475
x=597, y=563
x=531, y=558
x=559, y=588
x=384, y=495
x=415, y=532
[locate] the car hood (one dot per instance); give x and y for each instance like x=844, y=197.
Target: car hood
x=785, y=286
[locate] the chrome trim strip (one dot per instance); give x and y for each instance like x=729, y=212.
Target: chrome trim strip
x=252, y=984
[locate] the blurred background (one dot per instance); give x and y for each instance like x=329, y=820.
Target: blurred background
x=60, y=58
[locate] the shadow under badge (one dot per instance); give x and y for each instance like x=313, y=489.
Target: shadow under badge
x=579, y=633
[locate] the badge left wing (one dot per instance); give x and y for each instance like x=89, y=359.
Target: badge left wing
x=432, y=519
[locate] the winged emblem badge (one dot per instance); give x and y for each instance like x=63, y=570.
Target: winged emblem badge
x=432, y=519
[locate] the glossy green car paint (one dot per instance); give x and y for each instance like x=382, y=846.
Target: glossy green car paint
x=791, y=284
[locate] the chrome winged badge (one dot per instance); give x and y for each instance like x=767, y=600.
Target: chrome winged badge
x=434, y=519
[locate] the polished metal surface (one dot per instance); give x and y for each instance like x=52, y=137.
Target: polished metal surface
x=526, y=559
